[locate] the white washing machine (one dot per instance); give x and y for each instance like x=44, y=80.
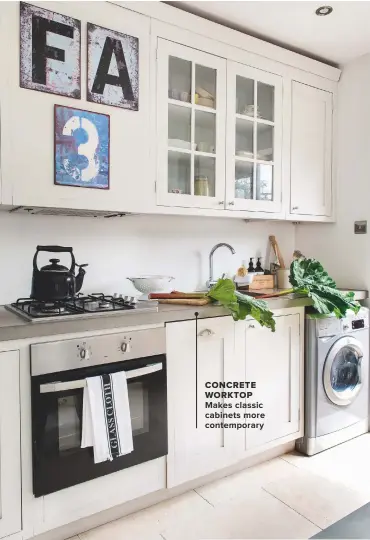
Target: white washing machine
x=336, y=381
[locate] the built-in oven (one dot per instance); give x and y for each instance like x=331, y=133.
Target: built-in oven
x=58, y=373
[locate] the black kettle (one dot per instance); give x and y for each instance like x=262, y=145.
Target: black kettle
x=55, y=282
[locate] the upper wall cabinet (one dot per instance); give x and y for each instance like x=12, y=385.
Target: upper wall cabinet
x=226, y=125
x=27, y=123
x=191, y=116
x=311, y=151
x=254, y=137
x=219, y=132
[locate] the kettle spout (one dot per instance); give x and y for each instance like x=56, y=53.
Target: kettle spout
x=80, y=277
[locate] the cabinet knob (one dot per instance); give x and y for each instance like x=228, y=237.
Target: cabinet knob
x=231, y=203
x=221, y=202
x=294, y=207
x=206, y=332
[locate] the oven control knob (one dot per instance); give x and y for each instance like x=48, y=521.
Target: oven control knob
x=84, y=353
x=125, y=347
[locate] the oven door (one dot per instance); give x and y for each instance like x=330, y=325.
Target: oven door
x=58, y=459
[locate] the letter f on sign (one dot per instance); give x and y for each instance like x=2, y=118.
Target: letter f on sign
x=40, y=50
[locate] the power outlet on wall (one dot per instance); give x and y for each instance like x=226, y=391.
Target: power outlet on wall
x=360, y=227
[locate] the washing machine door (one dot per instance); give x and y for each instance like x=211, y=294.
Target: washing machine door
x=342, y=371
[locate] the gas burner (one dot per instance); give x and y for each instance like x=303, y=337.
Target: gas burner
x=92, y=305
x=51, y=308
x=104, y=304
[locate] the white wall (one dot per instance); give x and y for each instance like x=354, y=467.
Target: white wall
x=345, y=255
x=134, y=245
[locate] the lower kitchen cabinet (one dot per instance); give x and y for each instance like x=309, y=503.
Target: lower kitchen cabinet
x=235, y=352
x=10, y=463
x=195, y=450
x=273, y=360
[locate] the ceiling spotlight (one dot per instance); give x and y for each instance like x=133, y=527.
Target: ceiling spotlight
x=324, y=10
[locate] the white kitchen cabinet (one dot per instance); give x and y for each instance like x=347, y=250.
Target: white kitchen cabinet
x=27, y=123
x=198, y=94
x=254, y=139
x=311, y=151
x=195, y=450
x=273, y=360
x=191, y=112
x=10, y=459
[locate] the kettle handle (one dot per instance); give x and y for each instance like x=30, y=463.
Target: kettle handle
x=55, y=249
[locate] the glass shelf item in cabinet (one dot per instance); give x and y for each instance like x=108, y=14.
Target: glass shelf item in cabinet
x=179, y=171
x=265, y=101
x=205, y=132
x=179, y=79
x=179, y=127
x=265, y=142
x=243, y=180
x=244, y=95
x=204, y=176
x=244, y=138
x=264, y=182
x=205, y=86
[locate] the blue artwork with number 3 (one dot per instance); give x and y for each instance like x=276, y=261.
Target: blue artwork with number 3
x=81, y=148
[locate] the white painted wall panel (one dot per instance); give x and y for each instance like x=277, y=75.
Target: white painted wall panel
x=133, y=245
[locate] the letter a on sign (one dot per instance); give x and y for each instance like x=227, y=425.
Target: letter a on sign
x=50, y=52
x=113, y=68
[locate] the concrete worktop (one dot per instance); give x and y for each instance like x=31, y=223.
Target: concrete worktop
x=13, y=327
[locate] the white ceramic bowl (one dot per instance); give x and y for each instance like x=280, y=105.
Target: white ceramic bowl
x=149, y=284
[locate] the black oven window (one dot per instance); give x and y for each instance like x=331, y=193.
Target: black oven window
x=139, y=408
x=69, y=423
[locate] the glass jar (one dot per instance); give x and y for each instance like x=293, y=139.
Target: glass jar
x=201, y=186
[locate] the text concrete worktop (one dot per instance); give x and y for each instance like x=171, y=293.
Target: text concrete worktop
x=13, y=327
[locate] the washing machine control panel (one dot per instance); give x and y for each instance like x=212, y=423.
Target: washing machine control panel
x=329, y=326
x=332, y=326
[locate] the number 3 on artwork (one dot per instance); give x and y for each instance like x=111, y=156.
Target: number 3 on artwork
x=85, y=166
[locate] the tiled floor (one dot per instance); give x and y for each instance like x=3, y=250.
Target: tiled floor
x=289, y=497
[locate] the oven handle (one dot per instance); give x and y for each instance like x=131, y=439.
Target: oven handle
x=71, y=385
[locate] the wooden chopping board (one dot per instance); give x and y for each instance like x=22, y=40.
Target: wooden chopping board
x=185, y=301
x=175, y=295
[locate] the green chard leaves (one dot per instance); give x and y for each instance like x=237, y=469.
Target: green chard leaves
x=241, y=305
x=307, y=277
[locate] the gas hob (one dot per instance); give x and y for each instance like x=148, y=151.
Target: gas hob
x=80, y=307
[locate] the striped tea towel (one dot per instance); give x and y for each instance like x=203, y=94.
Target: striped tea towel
x=106, y=419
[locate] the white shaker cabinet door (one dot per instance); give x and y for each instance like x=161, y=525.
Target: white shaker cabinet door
x=311, y=151
x=191, y=116
x=272, y=361
x=10, y=463
x=254, y=139
x=194, y=449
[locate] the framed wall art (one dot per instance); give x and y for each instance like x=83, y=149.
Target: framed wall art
x=50, y=51
x=112, y=68
x=81, y=148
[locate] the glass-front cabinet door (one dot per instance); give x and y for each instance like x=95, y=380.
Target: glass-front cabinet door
x=191, y=117
x=254, y=139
